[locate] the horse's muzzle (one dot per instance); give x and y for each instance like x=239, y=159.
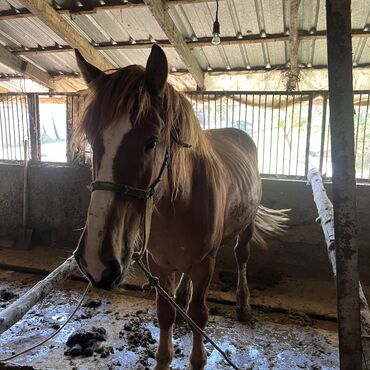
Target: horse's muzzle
x=111, y=276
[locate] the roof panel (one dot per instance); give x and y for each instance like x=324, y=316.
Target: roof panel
x=245, y=16
x=58, y=62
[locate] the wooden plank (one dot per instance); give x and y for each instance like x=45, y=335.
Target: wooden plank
x=293, y=75
x=34, y=125
x=339, y=49
x=12, y=314
x=159, y=9
x=53, y=20
x=27, y=69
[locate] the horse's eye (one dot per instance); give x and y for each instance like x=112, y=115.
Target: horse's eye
x=150, y=144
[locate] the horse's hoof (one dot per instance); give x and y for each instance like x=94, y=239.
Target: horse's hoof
x=246, y=316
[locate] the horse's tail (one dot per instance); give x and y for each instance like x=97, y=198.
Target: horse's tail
x=269, y=221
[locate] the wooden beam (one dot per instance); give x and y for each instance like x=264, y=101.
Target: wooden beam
x=52, y=19
x=159, y=9
x=293, y=75
x=201, y=42
x=12, y=314
x=339, y=49
x=15, y=13
x=25, y=68
x=326, y=218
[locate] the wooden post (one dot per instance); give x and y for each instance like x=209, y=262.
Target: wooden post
x=339, y=45
x=326, y=219
x=12, y=314
x=34, y=125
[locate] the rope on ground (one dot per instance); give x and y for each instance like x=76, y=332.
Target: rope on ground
x=53, y=334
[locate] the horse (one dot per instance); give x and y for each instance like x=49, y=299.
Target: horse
x=202, y=188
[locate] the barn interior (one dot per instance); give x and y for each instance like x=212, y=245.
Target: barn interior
x=270, y=72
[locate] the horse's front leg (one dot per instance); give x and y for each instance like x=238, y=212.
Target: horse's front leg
x=200, y=275
x=166, y=315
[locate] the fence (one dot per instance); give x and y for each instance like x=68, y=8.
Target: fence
x=291, y=130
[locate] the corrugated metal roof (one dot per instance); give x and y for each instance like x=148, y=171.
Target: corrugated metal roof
x=195, y=21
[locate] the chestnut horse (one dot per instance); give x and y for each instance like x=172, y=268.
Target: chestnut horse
x=205, y=186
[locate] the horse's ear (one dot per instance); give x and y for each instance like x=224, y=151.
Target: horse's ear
x=156, y=70
x=88, y=71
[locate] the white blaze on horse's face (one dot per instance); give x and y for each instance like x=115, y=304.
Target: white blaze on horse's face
x=102, y=201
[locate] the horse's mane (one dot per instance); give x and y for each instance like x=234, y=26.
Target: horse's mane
x=112, y=96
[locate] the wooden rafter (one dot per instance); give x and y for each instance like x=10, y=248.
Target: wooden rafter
x=293, y=75
x=25, y=68
x=109, y=5
x=201, y=42
x=52, y=19
x=159, y=9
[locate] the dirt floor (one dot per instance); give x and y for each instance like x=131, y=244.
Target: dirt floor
x=119, y=331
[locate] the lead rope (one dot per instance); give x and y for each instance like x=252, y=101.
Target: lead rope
x=153, y=281
x=53, y=334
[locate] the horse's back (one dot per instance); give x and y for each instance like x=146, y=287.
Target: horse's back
x=234, y=135
x=234, y=148
x=237, y=153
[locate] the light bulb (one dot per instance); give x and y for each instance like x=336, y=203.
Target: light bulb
x=216, y=40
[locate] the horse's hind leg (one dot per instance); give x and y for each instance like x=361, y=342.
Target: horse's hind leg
x=242, y=252
x=166, y=316
x=183, y=292
x=200, y=275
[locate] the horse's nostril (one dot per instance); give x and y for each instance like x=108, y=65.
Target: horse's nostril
x=113, y=270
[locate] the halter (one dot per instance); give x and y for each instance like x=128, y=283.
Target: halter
x=130, y=191
x=146, y=195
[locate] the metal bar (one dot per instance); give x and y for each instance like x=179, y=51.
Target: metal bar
x=3, y=138
x=227, y=110
x=7, y=138
x=204, y=116
x=10, y=143
x=339, y=49
x=245, y=112
x=264, y=134
x=364, y=137
x=271, y=133
x=233, y=111
x=18, y=128
x=323, y=130
x=209, y=112
x=253, y=116
x=291, y=136
x=286, y=118
x=258, y=121
x=358, y=124
x=278, y=137
x=214, y=126
x=299, y=135
x=240, y=108
x=24, y=120
x=308, y=138
x=14, y=127
x=220, y=111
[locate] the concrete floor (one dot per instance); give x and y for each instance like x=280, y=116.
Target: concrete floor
x=278, y=341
